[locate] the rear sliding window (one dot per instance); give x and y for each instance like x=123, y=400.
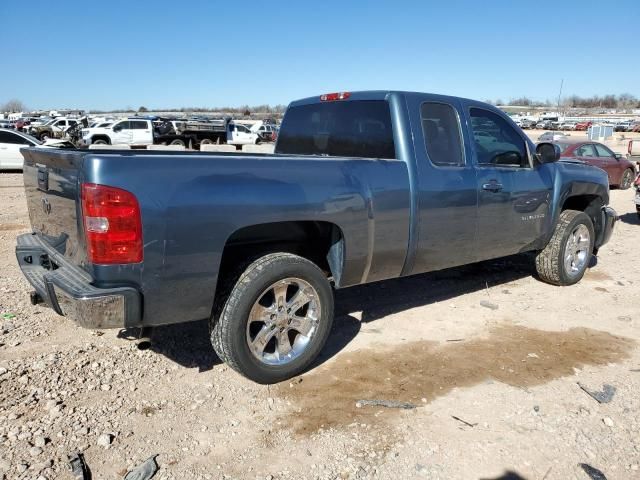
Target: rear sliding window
x=360, y=128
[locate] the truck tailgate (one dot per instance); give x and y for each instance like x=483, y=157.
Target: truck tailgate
x=52, y=192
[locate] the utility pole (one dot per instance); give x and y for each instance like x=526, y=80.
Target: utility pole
x=560, y=94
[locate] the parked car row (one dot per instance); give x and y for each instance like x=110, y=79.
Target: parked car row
x=625, y=126
x=163, y=131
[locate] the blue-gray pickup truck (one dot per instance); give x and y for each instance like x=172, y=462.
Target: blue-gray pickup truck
x=362, y=187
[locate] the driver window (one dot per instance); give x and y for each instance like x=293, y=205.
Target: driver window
x=603, y=151
x=497, y=143
x=586, y=151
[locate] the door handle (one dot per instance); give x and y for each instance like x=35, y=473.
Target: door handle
x=492, y=187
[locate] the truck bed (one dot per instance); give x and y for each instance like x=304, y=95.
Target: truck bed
x=192, y=203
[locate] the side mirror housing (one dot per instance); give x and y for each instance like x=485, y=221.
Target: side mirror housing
x=548, y=152
x=117, y=128
x=618, y=156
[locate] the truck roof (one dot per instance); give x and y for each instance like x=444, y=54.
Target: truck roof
x=373, y=95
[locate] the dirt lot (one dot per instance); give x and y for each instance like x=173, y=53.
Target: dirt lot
x=490, y=356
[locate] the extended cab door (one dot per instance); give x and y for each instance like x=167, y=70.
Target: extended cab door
x=447, y=194
x=513, y=194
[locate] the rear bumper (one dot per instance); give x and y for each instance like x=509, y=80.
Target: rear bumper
x=609, y=218
x=68, y=290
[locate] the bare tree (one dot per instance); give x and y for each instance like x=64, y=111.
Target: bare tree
x=13, y=105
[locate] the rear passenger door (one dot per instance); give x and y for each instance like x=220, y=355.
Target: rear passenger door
x=447, y=196
x=513, y=194
x=141, y=133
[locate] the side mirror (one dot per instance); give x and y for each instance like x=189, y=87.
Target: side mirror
x=117, y=128
x=618, y=156
x=548, y=152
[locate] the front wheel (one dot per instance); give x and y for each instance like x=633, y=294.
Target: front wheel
x=178, y=142
x=567, y=255
x=627, y=179
x=276, y=318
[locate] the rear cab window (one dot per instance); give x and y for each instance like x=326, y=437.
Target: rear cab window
x=355, y=128
x=442, y=134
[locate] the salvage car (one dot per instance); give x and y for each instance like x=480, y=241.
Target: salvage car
x=620, y=171
x=55, y=128
x=362, y=187
x=11, y=141
x=552, y=136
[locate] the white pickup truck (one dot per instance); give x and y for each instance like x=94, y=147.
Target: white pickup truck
x=137, y=131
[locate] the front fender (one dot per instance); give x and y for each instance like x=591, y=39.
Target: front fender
x=573, y=180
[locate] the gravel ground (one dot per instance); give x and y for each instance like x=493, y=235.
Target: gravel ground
x=489, y=357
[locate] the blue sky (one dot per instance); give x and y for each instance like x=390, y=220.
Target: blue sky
x=171, y=53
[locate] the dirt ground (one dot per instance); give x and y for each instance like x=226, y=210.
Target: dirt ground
x=491, y=358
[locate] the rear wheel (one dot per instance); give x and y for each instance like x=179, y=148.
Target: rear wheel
x=206, y=141
x=567, y=255
x=177, y=141
x=627, y=179
x=276, y=318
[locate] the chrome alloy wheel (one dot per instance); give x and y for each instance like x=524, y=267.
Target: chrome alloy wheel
x=282, y=321
x=576, y=251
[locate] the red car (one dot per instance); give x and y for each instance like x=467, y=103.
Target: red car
x=583, y=125
x=620, y=170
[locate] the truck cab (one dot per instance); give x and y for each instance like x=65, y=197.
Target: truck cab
x=129, y=131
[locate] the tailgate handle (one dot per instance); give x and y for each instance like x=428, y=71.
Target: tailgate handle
x=43, y=179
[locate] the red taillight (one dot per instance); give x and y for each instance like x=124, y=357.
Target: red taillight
x=332, y=97
x=112, y=224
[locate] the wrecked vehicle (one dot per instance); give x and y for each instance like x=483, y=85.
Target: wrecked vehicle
x=54, y=128
x=362, y=187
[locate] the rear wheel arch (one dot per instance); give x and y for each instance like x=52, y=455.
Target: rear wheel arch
x=322, y=243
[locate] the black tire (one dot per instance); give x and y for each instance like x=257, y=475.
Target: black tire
x=99, y=141
x=550, y=262
x=177, y=141
x=206, y=141
x=229, y=329
x=627, y=179
x=44, y=136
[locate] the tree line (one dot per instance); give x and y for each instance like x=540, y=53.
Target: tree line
x=622, y=101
